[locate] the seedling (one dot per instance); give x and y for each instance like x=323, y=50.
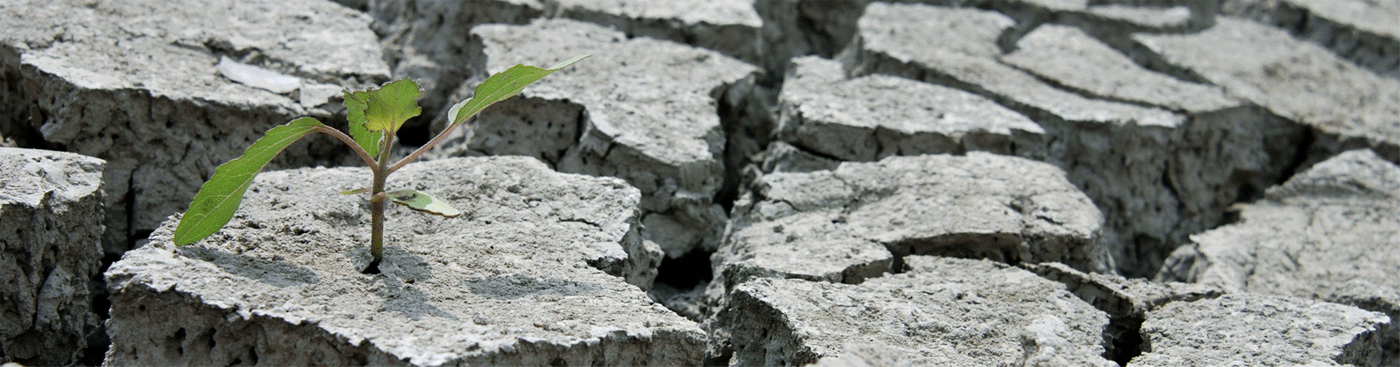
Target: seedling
x=375, y=116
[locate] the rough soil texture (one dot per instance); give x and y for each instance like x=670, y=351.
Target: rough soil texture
x=286, y=272
x=425, y=39
x=1132, y=153
x=640, y=109
x=50, y=247
x=1330, y=233
x=876, y=116
x=122, y=82
x=1363, y=32
x=1160, y=159
x=1127, y=301
x=851, y=223
x=1347, y=106
x=1261, y=330
x=730, y=27
x=943, y=311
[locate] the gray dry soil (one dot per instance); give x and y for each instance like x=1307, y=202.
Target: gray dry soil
x=724, y=182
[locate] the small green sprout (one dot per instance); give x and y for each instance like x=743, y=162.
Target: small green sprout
x=375, y=116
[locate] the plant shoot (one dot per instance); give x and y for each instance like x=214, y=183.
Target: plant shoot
x=375, y=115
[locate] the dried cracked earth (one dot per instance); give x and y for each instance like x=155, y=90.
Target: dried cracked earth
x=724, y=182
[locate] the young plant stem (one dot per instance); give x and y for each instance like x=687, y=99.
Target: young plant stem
x=376, y=201
x=376, y=206
x=376, y=232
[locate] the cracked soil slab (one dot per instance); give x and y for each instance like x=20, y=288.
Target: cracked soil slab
x=534, y=272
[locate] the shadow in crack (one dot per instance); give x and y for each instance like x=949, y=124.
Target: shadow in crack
x=999, y=247
x=515, y=286
x=272, y=272
x=1125, y=342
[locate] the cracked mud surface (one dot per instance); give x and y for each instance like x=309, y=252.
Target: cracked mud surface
x=773, y=182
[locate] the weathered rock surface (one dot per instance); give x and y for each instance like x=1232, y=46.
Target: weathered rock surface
x=1364, y=32
x=1248, y=329
x=730, y=27
x=857, y=354
x=642, y=109
x=783, y=157
x=431, y=40
x=851, y=223
x=1109, y=20
x=515, y=280
x=876, y=116
x=944, y=311
x=794, y=28
x=122, y=82
x=1127, y=301
x=1331, y=233
x=1157, y=115
x=884, y=28
x=1119, y=296
x=1076, y=61
x=1128, y=18
x=1224, y=147
x=50, y=248
x=1157, y=175
x=1348, y=107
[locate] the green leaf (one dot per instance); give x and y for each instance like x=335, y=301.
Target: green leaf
x=503, y=85
x=389, y=106
x=218, y=199
x=421, y=201
x=355, y=104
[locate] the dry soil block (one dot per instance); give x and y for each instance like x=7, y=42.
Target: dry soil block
x=1161, y=162
x=1348, y=107
x=876, y=116
x=532, y=273
x=1362, y=31
x=1331, y=233
x=641, y=109
x=730, y=27
x=1224, y=147
x=944, y=311
x=50, y=247
x=1260, y=330
x=121, y=81
x=1140, y=16
x=1127, y=301
x=852, y=223
x=1119, y=296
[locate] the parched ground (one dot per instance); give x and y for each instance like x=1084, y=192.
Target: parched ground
x=740, y=182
